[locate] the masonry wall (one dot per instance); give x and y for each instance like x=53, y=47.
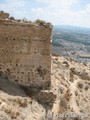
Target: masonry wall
x=4, y=15
x=25, y=50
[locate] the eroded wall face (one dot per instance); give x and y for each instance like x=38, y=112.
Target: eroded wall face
x=4, y=15
x=25, y=53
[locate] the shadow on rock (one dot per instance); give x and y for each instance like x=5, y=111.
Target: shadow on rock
x=10, y=87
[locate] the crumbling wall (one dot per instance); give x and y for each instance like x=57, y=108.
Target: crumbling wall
x=3, y=15
x=25, y=50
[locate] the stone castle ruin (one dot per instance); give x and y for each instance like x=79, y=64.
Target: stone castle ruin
x=25, y=51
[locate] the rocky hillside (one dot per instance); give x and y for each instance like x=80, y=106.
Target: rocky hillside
x=69, y=95
x=71, y=84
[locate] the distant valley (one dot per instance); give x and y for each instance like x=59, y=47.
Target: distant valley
x=73, y=42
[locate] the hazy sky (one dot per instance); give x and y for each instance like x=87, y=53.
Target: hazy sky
x=67, y=12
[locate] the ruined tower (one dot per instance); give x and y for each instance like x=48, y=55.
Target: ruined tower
x=3, y=15
x=25, y=51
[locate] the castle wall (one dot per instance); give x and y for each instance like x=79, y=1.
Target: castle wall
x=4, y=15
x=25, y=52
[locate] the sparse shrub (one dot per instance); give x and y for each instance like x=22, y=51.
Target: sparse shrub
x=56, y=58
x=19, y=20
x=22, y=103
x=71, y=77
x=1, y=11
x=86, y=87
x=72, y=70
x=40, y=22
x=66, y=63
x=80, y=85
x=12, y=18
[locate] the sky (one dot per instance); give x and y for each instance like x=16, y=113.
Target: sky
x=58, y=12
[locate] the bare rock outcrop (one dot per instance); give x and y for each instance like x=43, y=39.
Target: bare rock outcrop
x=71, y=83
